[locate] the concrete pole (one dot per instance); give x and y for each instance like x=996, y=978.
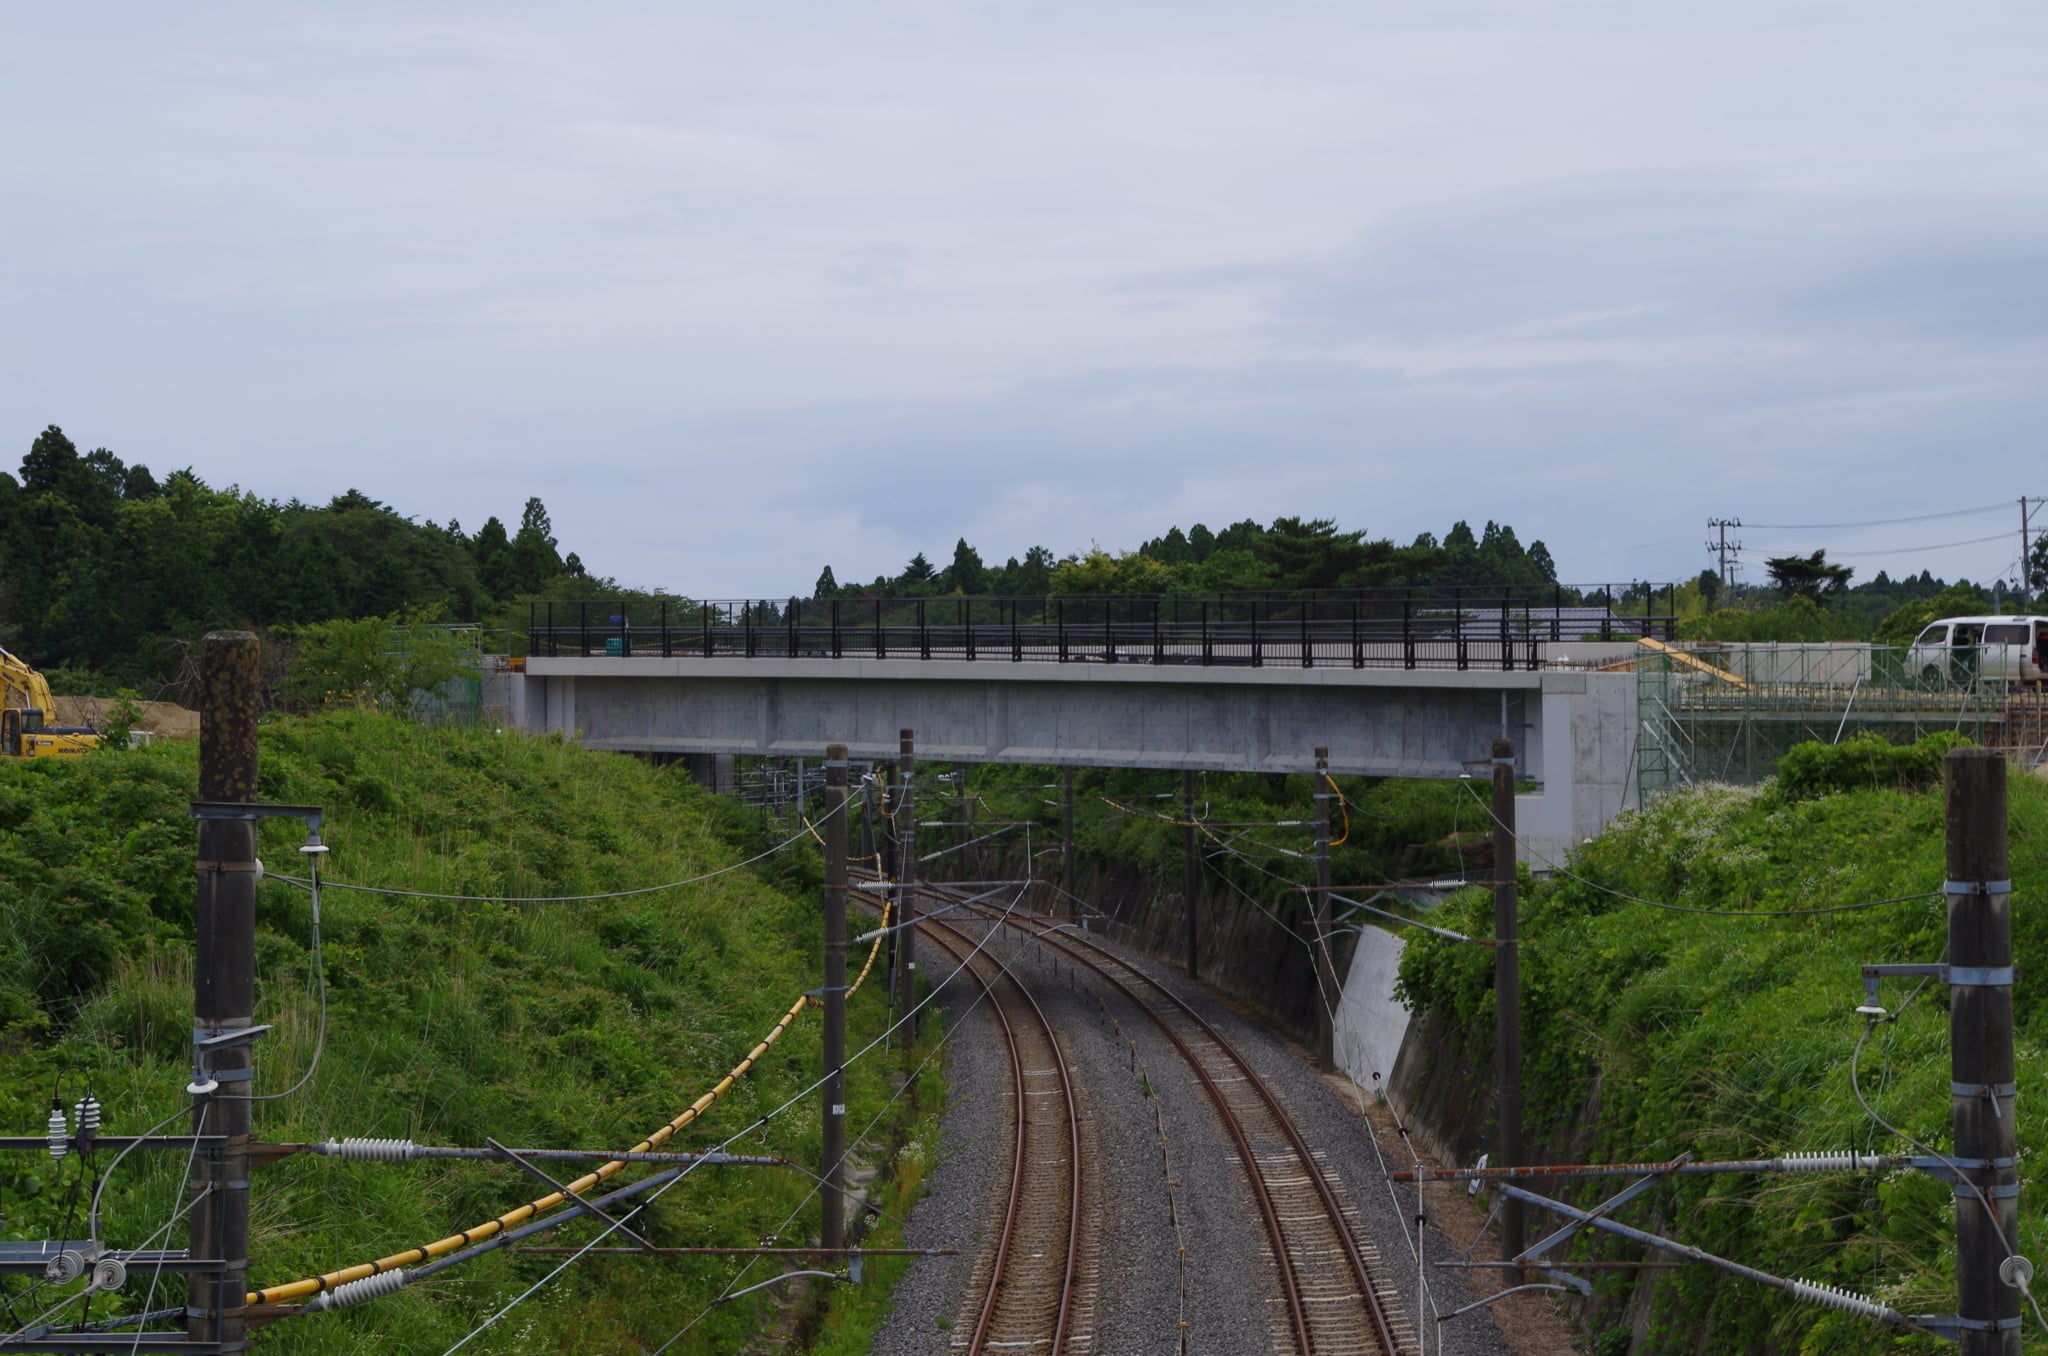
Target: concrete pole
x=1191, y=871
x=1067, y=838
x=889, y=855
x=1507, y=987
x=1980, y=1046
x=224, y=984
x=832, y=1233
x=1326, y=970
x=906, y=892
x=962, y=820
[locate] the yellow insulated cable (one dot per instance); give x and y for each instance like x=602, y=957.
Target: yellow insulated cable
x=313, y=1285
x=1343, y=805
x=873, y=951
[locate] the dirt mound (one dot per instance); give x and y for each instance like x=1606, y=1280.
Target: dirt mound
x=167, y=719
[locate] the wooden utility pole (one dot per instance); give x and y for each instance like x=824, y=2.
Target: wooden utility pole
x=1326, y=971
x=1191, y=876
x=224, y=987
x=1981, y=1075
x=832, y=1233
x=906, y=890
x=1507, y=986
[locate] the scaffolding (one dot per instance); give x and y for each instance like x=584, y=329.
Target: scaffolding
x=1728, y=712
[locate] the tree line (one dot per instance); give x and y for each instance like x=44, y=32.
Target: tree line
x=1289, y=553
x=106, y=572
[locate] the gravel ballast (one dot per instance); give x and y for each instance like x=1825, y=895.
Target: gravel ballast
x=1175, y=1244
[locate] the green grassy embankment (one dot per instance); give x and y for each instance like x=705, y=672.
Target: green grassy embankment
x=1648, y=1032
x=553, y=1025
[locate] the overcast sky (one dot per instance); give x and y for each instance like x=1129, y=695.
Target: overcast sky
x=741, y=290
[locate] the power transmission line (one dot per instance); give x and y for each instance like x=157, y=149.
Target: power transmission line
x=1876, y=522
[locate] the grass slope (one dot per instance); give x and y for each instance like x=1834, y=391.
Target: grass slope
x=555, y=1025
x=1648, y=1032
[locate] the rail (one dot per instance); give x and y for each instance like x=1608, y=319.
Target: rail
x=1302, y=1234
x=1458, y=628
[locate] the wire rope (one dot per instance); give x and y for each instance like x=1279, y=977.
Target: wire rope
x=1976, y=1192
x=786, y=843
x=656, y=1194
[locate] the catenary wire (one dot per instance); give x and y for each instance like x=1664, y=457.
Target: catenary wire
x=908, y=1082
x=655, y=1195
x=786, y=843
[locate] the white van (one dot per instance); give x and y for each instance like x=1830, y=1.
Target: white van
x=1958, y=649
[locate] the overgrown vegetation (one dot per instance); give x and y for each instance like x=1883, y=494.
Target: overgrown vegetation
x=1649, y=1032
x=559, y=1025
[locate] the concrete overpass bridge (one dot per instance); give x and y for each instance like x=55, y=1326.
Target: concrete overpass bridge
x=1406, y=685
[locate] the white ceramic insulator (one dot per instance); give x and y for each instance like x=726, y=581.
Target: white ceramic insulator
x=1847, y=1301
x=60, y=1137
x=360, y=1292
x=370, y=1150
x=88, y=1110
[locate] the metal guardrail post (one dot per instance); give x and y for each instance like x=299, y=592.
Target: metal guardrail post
x=924, y=635
x=838, y=640
x=665, y=652
x=1208, y=647
x=1063, y=629
x=1507, y=640
x=967, y=624
x=1258, y=641
x=1357, y=641
x=1408, y=632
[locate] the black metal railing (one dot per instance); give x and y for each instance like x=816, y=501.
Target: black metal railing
x=1410, y=628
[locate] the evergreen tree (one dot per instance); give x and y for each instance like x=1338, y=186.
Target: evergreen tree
x=917, y=576
x=492, y=551
x=966, y=574
x=1033, y=577
x=534, y=559
x=827, y=586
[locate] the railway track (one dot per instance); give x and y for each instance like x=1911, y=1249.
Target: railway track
x=1032, y=1288
x=1333, y=1306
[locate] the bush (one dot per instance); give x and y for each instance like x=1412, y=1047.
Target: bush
x=1863, y=762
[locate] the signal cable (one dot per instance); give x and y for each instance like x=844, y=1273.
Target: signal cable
x=1997, y=1226
x=907, y=1083
x=555, y=899
x=653, y=1196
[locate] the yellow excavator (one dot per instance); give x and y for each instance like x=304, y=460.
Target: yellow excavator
x=28, y=727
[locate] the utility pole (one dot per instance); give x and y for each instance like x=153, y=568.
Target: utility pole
x=1190, y=877
x=906, y=889
x=889, y=855
x=1507, y=986
x=1981, y=1076
x=2026, y=582
x=832, y=1231
x=224, y=988
x=1326, y=972
x=1067, y=836
x=1724, y=548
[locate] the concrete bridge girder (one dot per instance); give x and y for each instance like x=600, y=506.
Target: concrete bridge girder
x=1375, y=722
